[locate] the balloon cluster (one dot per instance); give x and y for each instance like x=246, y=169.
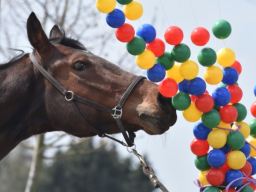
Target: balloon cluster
x=222, y=127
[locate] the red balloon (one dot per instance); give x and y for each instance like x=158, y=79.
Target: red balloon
x=204, y=103
x=125, y=33
x=193, y=97
x=215, y=176
x=253, y=109
x=200, y=36
x=228, y=114
x=247, y=169
x=168, y=87
x=173, y=35
x=236, y=93
x=199, y=147
x=225, y=168
x=157, y=47
x=230, y=190
x=237, y=66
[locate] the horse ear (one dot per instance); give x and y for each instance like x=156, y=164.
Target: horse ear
x=56, y=33
x=37, y=36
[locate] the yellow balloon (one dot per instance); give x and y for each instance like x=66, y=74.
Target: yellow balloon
x=192, y=114
x=252, y=141
x=236, y=160
x=244, y=129
x=213, y=75
x=202, y=178
x=225, y=125
x=226, y=57
x=174, y=73
x=217, y=138
x=189, y=70
x=146, y=60
x=106, y=6
x=133, y=10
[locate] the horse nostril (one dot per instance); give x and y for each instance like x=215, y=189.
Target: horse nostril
x=165, y=103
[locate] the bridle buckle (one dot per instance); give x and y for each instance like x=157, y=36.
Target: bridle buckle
x=117, y=113
x=69, y=96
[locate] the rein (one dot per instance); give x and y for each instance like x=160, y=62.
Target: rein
x=116, y=112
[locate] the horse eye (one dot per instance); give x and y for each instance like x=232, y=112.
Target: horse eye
x=79, y=66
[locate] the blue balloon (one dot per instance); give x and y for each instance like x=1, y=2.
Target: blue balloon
x=156, y=73
x=231, y=175
x=230, y=76
x=216, y=158
x=183, y=86
x=196, y=86
x=147, y=32
x=225, y=149
x=252, y=161
x=254, y=90
x=221, y=96
x=200, y=131
x=116, y=18
x=246, y=149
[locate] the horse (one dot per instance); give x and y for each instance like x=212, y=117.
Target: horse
x=31, y=104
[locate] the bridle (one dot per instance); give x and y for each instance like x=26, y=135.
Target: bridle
x=116, y=112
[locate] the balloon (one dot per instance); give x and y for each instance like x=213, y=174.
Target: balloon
x=242, y=128
x=247, y=189
x=105, y=6
x=157, y=47
x=250, y=184
x=221, y=29
x=236, y=160
x=236, y=93
x=116, y=18
x=215, y=176
x=221, y=96
x=200, y=131
x=216, y=107
x=252, y=126
x=174, y=73
x=211, y=119
x=225, y=168
x=124, y=2
x=156, y=73
x=181, y=101
x=133, y=10
x=207, y=57
x=231, y=175
x=181, y=53
x=201, y=163
x=225, y=125
x=199, y=147
x=246, y=149
x=235, y=140
x=211, y=189
x=226, y=57
x=146, y=60
x=136, y=46
x=191, y=114
x=166, y=60
x=252, y=161
x=204, y=103
x=125, y=33
x=242, y=111
x=200, y=36
x=189, y=70
x=196, y=86
x=253, y=109
x=183, y=86
x=247, y=169
x=213, y=75
x=217, y=139
x=230, y=76
x=168, y=87
x=237, y=66
x=216, y=158
x=173, y=35
x=202, y=178
x=252, y=142
x=146, y=32
x=228, y=114
x=225, y=148
x=254, y=90
x=230, y=190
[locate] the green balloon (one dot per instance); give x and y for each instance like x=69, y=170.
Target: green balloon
x=136, y=46
x=201, y=163
x=181, y=53
x=211, y=119
x=207, y=57
x=246, y=189
x=235, y=140
x=224, y=85
x=221, y=29
x=242, y=111
x=124, y=2
x=166, y=60
x=216, y=107
x=211, y=189
x=252, y=126
x=181, y=101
